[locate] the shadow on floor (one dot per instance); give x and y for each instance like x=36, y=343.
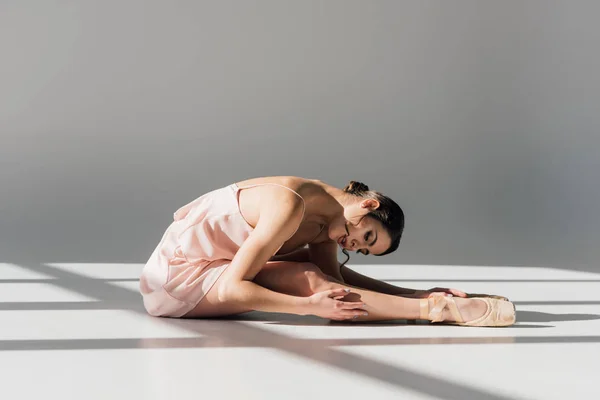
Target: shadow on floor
x=537, y=316
x=295, y=320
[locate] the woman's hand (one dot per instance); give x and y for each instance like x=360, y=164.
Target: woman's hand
x=421, y=294
x=328, y=305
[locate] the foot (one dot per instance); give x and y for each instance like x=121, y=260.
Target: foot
x=471, y=312
x=470, y=309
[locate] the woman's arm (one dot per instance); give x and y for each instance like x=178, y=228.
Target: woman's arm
x=280, y=214
x=324, y=255
x=355, y=279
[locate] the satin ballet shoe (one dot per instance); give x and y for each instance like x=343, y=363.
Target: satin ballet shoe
x=498, y=313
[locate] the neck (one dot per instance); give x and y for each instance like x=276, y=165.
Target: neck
x=333, y=201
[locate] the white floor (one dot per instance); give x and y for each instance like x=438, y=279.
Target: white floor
x=77, y=331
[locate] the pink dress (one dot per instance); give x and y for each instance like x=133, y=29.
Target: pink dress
x=194, y=251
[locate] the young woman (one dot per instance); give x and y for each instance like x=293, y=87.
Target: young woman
x=242, y=247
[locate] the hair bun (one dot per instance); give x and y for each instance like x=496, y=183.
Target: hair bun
x=356, y=188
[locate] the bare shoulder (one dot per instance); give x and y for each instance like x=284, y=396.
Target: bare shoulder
x=295, y=183
x=274, y=197
x=280, y=212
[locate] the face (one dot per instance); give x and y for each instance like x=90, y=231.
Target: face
x=355, y=231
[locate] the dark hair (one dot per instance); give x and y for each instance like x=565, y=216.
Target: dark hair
x=388, y=213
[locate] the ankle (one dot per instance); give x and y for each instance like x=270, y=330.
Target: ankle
x=434, y=312
x=438, y=309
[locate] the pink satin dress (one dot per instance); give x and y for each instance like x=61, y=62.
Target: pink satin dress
x=194, y=251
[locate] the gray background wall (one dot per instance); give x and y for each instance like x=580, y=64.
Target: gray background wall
x=480, y=118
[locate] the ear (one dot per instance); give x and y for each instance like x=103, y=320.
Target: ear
x=370, y=203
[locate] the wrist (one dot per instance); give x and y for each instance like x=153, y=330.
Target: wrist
x=302, y=306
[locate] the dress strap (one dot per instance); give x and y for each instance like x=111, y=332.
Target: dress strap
x=269, y=183
x=238, y=188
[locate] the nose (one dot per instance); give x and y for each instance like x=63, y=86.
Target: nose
x=354, y=245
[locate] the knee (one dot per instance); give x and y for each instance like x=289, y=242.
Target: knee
x=316, y=280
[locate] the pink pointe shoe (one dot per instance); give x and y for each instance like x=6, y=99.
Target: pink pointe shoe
x=498, y=313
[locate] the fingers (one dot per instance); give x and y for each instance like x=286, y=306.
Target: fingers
x=493, y=296
x=449, y=291
x=434, y=294
x=349, y=315
x=345, y=310
x=438, y=291
x=353, y=314
x=341, y=292
x=347, y=305
x=458, y=293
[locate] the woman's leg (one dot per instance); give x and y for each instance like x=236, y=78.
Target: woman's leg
x=304, y=279
x=279, y=276
x=350, y=277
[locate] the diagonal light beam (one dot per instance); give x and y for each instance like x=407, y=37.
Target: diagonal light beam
x=253, y=336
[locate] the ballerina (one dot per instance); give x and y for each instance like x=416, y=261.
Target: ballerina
x=270, y=244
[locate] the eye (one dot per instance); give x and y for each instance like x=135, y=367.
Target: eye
x=366, y=239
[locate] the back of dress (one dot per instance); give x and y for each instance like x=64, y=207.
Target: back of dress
x=204, y=231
